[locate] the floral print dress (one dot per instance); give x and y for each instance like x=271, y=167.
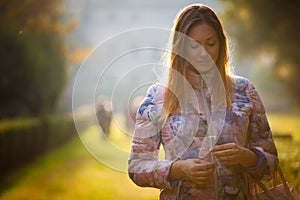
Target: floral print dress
x=245, y=124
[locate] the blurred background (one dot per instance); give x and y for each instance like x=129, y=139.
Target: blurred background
x=43, y=44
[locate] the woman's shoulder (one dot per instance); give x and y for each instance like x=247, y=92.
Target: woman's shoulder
x=243, y=86
x=156, y=92
x=241, y=83
x=153, y=101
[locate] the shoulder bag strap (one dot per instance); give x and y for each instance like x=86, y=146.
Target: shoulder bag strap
x=283, y=180
x=287, y=190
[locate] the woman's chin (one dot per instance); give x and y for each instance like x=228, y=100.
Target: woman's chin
x=203, y=66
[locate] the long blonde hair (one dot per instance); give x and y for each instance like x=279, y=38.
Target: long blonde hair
x=190, y=16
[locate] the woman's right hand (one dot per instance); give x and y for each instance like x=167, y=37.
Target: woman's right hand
x=195, y=170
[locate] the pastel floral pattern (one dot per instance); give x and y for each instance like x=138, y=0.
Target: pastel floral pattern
x=245, y=124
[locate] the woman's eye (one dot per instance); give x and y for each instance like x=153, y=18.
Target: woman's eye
x=211, y=44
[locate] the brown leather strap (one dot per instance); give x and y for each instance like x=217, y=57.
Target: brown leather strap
x=275, y=178
x=287, y=190
x=265, y=189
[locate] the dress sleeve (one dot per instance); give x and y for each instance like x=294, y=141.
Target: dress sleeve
x=260, y=138
x=144, y=168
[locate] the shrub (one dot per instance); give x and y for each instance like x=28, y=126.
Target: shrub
x=21, y=140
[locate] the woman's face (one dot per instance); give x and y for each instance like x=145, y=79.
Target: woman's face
x=204, y=48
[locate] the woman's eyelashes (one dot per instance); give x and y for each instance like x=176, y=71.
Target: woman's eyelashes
x=196, y=45
x=211, y=44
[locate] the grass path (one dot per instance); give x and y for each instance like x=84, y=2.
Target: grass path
x=70, y=172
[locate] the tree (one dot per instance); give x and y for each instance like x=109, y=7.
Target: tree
x=271, y=28
x=32, y=72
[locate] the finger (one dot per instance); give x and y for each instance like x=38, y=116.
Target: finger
x=202, y=184
x=224, y=152
x=205, y=167
x=231, y=160
x=227, y=158
x=201, y=162
x=199, y=179
x=224, y=147
x=198, y=185
x=203, y=173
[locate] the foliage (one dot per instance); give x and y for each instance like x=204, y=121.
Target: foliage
x=21, y=140
x=269, y=28
x=32, y=53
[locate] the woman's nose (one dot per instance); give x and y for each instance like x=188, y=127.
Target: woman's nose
x=202, y=51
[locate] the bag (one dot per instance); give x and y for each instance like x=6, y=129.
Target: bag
x=278, y=192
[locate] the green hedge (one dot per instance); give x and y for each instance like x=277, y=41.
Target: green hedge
x=21, y=140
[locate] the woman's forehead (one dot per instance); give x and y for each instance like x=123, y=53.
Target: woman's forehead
x=202, y=32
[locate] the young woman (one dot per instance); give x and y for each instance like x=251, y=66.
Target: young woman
x=244, y=152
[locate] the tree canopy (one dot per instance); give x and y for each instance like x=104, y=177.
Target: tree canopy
x=32, y=72
x=271, y=28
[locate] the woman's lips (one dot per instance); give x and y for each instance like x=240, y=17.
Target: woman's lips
x=204, y=62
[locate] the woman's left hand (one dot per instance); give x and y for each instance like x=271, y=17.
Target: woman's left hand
x=233, y=154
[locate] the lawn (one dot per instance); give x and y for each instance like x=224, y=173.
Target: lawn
x=285, y=124
x=71, y=172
